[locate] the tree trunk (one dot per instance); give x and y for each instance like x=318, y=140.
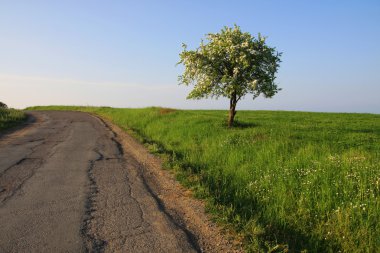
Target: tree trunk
x=232, y=113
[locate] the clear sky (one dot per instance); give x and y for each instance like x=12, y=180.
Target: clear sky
x=123, y=53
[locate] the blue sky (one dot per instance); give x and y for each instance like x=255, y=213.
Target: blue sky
x=123, y=53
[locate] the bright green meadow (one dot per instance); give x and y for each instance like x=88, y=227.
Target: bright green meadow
x=283, y=180
x=10, y=117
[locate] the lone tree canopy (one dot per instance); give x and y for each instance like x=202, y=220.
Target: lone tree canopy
x=230, y=64
x=2, y=105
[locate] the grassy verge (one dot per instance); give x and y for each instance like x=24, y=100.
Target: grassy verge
x=285, y=180
x=10, y=117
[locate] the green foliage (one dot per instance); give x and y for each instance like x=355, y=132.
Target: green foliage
x=285, y=180
x=10, y=117
x=231, y=63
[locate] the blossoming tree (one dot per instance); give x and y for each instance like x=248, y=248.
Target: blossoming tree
x=230, y=64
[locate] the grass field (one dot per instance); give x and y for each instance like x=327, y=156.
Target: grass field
x=10, y=117
x=296, y=180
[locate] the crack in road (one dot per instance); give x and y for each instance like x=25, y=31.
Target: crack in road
x=92, y=244
x=192, y=239
x=14, y=177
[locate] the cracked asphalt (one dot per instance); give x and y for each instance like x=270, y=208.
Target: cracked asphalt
x=67, y=185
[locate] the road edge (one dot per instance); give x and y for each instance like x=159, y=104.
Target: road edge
x=178, y=202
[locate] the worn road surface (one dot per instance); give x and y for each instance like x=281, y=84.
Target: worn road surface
x=66, y=185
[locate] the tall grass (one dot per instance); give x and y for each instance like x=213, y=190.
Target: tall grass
x=10, y=117
x=286, y=180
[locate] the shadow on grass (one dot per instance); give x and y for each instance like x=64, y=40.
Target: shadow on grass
x=295, y=240
x=242, y=125
x=247, y=213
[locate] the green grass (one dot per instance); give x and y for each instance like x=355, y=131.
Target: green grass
x=296, y=180
x=10, y=117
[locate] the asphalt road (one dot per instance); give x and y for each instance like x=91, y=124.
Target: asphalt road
x=67, y=186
